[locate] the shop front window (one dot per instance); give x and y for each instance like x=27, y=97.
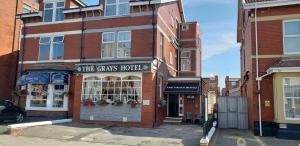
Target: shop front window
x=58, y=96
x=292, y=98
x=39, y=95
x=112, y=88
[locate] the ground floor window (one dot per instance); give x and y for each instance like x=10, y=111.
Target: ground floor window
x=112, y=88
x=47, y=97
x=292, y=98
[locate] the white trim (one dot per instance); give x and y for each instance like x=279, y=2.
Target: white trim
x=51, y=45
x=128, y=28
x=50, y=61
x=28, y=15
x=184, y=79
x=148, y=13
x=284, y=98
x=32, y=124
x=138, y=3
x=273, y=3
x=66, y=11
x=283, y=69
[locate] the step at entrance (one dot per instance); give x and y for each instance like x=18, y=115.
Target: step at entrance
x=173, y=120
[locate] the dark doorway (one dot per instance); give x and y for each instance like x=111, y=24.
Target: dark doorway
x=173, y=105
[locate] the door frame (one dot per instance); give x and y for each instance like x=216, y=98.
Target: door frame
x=180, y=97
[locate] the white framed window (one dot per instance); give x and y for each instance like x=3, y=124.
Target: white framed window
x=111, y=88
x=47, y=97
x=117, y=7
x=116, y=44
x=291, y=37
x=53, y=11
x=291, y=94
x=161, y=45
x=124, y=44
x=185, y=60
x=171, y=58
x=26, y=8
x=51, y=48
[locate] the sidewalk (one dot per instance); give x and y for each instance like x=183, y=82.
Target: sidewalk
x=228, y=137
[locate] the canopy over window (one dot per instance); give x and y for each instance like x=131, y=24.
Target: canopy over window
x=191, y=88
x=38, y=78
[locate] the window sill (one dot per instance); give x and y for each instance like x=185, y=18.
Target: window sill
x=293, y=119
x=46, y=109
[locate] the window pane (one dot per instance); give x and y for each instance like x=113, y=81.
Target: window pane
x=124, y=36
x=292, y=108
x=108, y=50
x=45, y=40
x=124, y=9
x=185, y=65
x=60, y=4
x=185, y=54
x=49, y=5
x=58, y=100
x=108, y=37
x=44, y=52
x=59, y=14
x=124, y=1
x=292, y=87
x=48, y=15
x=58, y=51
x=38, y=95
x=292, y=28
x=292, y=44
x=110, y=1
x=111, y=10
x=58, y=39
x=124, y=49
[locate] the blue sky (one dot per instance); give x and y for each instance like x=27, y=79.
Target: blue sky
x=217, y=19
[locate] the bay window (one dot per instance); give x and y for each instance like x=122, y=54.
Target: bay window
x=185, y=60
x=117, y=7
x=116, y=44
x=292, y=37
x=53, y=11
x=292, y=98
x=112, y=88
x=51, y=48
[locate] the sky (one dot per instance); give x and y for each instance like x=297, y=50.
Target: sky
x=218, y=22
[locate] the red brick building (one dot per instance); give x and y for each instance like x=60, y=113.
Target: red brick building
x=232, y=87
x=269, y=33
x=9, y=35
x=210, y=89
x=124, y=62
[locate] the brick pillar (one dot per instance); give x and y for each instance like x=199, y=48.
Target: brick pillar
x=77, y=97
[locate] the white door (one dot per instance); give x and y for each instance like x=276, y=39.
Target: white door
x=181, y=110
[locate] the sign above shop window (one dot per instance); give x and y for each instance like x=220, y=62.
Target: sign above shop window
x=58, y=78
x=138, y=67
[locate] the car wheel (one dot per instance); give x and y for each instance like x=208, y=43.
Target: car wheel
x=19, y=118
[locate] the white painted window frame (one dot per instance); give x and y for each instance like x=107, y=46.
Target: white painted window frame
x=118, y=3
x=116, y=42
x=51, y=47
x=284, y=98
x=54, y=3
x=101, y=76
x=50, y=97
x=289, y=36
x=185, y=58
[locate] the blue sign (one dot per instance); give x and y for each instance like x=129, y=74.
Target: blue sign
x=58, y=78
x=34, y=79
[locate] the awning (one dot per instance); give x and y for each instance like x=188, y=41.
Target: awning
x=192, y=88
x=38, y=78
x=58, y=78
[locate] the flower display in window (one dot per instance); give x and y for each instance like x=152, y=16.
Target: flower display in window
x=88, y=103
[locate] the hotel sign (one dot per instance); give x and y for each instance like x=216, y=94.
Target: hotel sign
x=137, y=67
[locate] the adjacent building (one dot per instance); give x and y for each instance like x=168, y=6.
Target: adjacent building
x=269, y=33
x=232, y=87
x=210, y=91
x=123, y=62
x=9, y=35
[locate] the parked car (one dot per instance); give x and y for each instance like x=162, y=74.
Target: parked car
x=11, y=112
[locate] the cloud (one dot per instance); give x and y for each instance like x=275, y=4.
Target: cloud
x=203, y=2
x=218, y=43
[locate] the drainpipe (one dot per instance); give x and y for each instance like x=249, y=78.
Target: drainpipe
x=82, y=35
x=257, y=73
x=13, y=47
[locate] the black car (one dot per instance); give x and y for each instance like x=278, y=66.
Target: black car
x=8, y=111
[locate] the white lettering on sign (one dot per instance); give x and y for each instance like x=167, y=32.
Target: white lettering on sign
x=114, y=68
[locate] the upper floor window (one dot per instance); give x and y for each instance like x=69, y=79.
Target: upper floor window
x=51, y=48
x=161, y=45
x=54, y=11
x=292, y=37
x=117, y=7
x=26, y=8
x=185, y=59
x=116, y=49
